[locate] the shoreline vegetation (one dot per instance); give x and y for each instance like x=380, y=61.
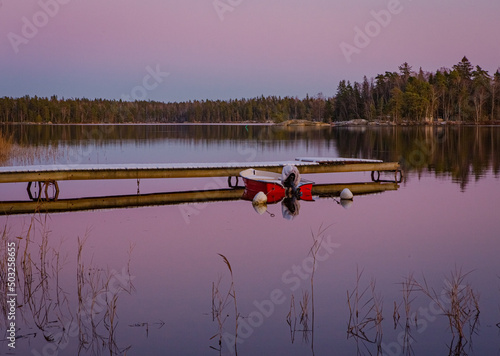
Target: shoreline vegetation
x=463, y=94
x=294, y=122
x=288, y=123
x=5, y=147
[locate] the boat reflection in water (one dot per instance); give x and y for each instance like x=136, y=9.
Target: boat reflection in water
x=290, y=205
x=290, y=208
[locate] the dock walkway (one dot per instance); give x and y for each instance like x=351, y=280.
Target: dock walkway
x=306, y=165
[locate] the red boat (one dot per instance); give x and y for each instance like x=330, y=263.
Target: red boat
x=272, y=196
x=273, y=186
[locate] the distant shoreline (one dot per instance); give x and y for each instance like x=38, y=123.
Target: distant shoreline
x=289, y=123
x=354, y=123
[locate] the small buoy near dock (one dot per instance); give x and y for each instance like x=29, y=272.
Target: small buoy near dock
x=259, y=199
x=259, y=203
x=346, y=194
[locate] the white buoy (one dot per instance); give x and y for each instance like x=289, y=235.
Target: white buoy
x=346, y=194
x=259, y=199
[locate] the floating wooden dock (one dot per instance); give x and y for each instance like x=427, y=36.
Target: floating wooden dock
x=306, y=165
x=172, y=198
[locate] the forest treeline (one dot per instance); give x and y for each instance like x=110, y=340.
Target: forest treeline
x=462, y=93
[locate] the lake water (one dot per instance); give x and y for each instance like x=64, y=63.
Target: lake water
x=150, y=280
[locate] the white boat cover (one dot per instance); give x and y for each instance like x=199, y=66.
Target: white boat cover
x=287, y=171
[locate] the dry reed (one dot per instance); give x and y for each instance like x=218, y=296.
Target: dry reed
x=305, y=304
x=98, y=304
x=43, y=302
x=395, y=315
x=220, y=301
x=365, y=312
x=22, y=154
x=4, y=273
x=291, y=319
x=304, y=311
x=5, y=147
x=407, y=288
x=458, y=302
x=498, y=324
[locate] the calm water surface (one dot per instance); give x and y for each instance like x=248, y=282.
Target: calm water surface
x=150, y=280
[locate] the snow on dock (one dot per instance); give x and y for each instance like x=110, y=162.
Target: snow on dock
x=184, y=170
x=144, y=166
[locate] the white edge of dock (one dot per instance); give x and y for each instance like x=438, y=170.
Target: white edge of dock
x=300, y=161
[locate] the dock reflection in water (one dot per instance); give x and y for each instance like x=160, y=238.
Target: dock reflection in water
x=185, y=197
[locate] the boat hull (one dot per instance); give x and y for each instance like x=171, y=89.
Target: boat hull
x=270, y=184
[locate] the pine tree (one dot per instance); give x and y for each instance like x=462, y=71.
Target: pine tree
x=495, y=94
x=480, y=86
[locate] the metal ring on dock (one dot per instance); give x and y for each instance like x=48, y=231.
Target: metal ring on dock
x=56, y=192
x=43, y=187
x=400, y=176
x=229, y=181
x=373, y=176
x=30, y=194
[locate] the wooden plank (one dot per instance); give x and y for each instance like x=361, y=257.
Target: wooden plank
x=336, y=160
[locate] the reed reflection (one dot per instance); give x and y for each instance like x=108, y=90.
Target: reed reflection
x=306, y=304
x=365, y=316
x=457, y=301
x=221, y=302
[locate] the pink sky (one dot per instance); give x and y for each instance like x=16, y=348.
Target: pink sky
x=103, y=48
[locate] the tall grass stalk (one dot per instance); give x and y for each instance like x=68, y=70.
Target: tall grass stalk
x=365, y=312
x=291, y=319
x=304, y=311
x=219, y=303
x=232, y=293
x=42, y=300
x=408, y=288
x=4, y=273
x=98, y=303
x=317, y=242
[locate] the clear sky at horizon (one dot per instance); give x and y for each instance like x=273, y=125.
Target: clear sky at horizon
x=226, y=49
